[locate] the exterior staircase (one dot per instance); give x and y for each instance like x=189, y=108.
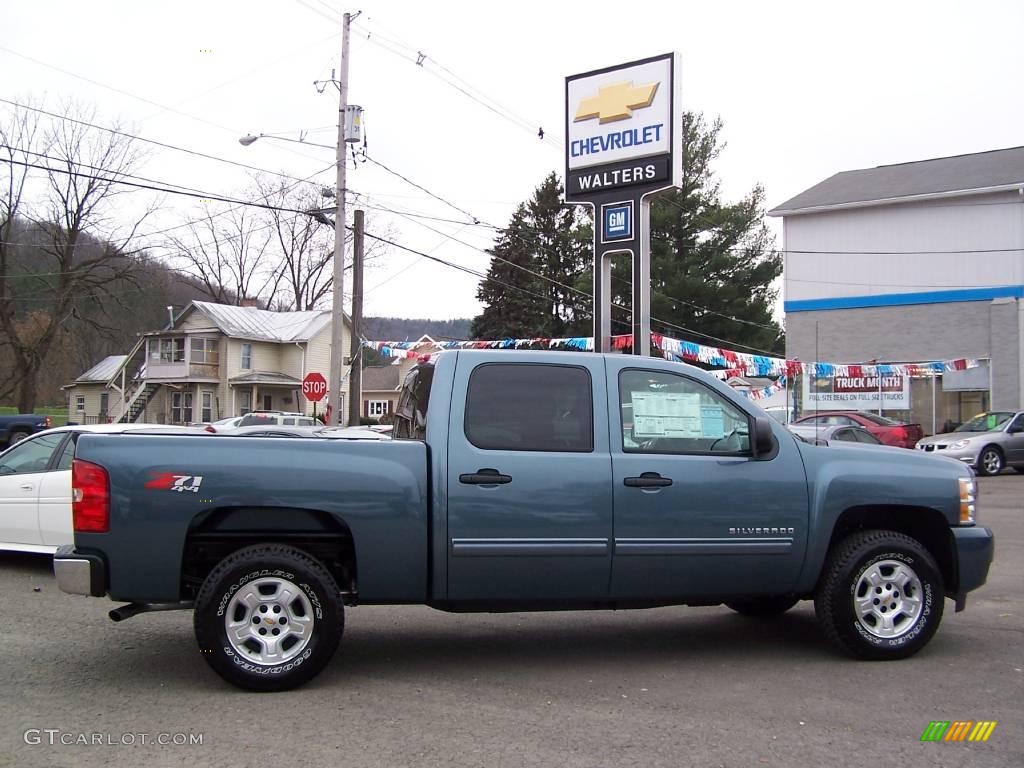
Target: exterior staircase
x=137, y=402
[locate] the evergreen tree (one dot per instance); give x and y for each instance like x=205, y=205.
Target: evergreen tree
x=713, y=264
x=545, y=238
x=513, y=298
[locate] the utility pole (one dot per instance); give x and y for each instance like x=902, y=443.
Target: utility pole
x=338, y=293
x=355, y=381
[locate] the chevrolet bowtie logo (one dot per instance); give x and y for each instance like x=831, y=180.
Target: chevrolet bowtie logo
x=616, y=102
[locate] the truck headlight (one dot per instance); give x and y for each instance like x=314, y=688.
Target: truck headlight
x=968, y=498
x=959, y=444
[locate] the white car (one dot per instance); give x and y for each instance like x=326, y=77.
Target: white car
x=35, y=486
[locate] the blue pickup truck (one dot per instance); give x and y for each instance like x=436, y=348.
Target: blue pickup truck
x=522, y=481
x=17, y=426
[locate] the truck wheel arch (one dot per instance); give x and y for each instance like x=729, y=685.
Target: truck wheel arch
x=215, y=534
x=925, y=524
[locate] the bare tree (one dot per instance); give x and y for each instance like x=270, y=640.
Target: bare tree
x=304, y=240
x=59, y=245
x=305, y=246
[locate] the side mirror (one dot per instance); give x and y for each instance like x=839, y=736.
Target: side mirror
x=764, y=439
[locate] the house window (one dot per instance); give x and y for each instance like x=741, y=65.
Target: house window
x=207, y=415
x=244, y=403
x=80, y=403
x=246, y=357
x=181, y=408
x=172, y=350
x=377, y=408
x=204, y=350
x=104, y=403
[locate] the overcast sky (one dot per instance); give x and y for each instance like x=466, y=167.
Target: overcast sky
x=805, y=90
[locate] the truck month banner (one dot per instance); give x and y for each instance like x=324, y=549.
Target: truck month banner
x=857, y=393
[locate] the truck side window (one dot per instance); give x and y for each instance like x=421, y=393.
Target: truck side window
x=666, y=413
x=530, y=407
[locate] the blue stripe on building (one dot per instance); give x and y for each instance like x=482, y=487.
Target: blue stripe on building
x=904, y=299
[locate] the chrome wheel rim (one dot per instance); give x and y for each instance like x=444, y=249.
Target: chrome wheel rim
x=990, y=461
x=888, y=599
x=269, y=621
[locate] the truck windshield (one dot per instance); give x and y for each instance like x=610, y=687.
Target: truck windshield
x=411, y=413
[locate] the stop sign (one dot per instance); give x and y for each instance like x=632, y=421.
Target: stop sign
x=314, y=386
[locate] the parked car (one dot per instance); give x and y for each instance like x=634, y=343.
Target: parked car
x=16, y=427
x=989, y=442
x=521, y=481
x=888, y=431
x=229, y=423
x=281, y=418
x=320, y=431
x=35, y=486
x=824, y=435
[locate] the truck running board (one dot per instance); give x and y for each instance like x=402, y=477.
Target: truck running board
x=123, y=612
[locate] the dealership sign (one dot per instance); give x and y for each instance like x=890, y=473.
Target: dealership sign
x=857, y=393
x=623, y=125
x=623, y=128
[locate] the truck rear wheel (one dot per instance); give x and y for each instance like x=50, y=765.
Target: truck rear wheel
x=880, y=596
x=268, y=618
x=763, y=606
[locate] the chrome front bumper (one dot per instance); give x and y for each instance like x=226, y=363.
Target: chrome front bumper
x=79, y=573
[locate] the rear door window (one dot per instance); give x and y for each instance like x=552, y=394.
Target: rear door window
x=530, y=407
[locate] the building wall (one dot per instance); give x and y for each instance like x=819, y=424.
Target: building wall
x=917, y=333
x=968, y=223
x=92, y=394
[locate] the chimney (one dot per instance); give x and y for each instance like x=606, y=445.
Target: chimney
x=249, y=303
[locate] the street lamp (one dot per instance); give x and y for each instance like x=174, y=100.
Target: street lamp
x=337, y=310
x=245, y=141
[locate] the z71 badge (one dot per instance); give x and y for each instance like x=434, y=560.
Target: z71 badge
x=168, y=481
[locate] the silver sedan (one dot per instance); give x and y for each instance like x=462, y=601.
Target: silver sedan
x=989, y=442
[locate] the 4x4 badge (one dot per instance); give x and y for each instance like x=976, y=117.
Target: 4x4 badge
x=168, y=481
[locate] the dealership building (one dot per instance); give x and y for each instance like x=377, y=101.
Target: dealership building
x=914, y=262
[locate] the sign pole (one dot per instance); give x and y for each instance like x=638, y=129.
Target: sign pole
x=623, y=139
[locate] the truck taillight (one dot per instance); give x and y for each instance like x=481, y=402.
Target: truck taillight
x=90, y=497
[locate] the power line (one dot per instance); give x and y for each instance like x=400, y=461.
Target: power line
x=136, y=137
x=136, y=96
x=426, y=63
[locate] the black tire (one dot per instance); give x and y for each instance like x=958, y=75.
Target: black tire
x=844, y=578
x=995, y=462
x=278, y=568
x=763, y=606
x=17, y=436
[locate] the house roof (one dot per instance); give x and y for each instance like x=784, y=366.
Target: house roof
x=978, y=172
x=262, y=324
x=380, y=378
x=103, y=370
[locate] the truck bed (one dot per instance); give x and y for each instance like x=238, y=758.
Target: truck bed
x=378, y=488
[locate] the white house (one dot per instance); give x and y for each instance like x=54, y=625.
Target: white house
x=213, y=361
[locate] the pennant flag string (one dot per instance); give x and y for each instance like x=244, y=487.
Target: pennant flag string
x=732, y=362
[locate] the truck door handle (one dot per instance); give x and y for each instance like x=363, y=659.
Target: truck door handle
x=26, y=486
x=485, y=477
x=647, y=480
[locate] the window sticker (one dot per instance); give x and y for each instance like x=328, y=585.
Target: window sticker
x=666, y=414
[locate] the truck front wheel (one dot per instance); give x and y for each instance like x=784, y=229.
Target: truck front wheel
x=880, y=596
x=268, y=618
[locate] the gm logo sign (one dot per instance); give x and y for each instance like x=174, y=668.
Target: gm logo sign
x=617, y=221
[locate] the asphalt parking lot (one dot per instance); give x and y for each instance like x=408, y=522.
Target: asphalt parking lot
x=412, y=686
